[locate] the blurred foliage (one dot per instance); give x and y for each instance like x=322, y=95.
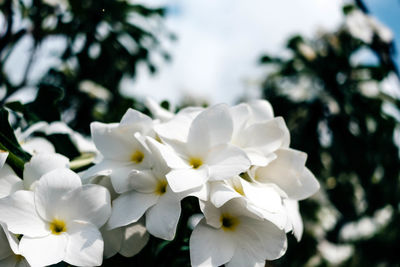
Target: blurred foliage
x=103, y=43
x=335, y=110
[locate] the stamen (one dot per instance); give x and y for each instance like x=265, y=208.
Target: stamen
x=195, y=163
x=57, y=227
x=137, y=156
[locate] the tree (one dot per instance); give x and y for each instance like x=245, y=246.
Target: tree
x=339, y=113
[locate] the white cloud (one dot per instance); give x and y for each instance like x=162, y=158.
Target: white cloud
x=220, y=42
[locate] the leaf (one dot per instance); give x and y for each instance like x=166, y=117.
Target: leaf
x=46, y=105
x=8, y=142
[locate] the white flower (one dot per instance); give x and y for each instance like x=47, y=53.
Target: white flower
x=59, y=220
x=257, y=132
x=294, y=182
x=233, y=236
x=262, y=200
x=150, y=195
x=127, y=240
x=206, y=154
x=9, y=251
x=122, y=147
x=32, y=144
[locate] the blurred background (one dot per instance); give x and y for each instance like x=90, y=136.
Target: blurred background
x=330, y=68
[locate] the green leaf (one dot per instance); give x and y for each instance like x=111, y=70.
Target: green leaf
x=8, y=142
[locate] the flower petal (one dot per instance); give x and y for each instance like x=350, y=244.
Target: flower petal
x=129, y=207
x=85, y=245
x=163, y=217
x=3, y=157
x=50, y=192
x=135, y=238
x=210, y=246
x=289, y=173
x=43, y=251
x=5, y=249
x=185, y=179
x=112, y=241
x=9, y=181
x=41, y=164
x=295, y=223
x=19, y=213
x=112, y=141
x=226, y=161
x=211, y=127
x=9, y=261
x=91, y=203
x=220, y=193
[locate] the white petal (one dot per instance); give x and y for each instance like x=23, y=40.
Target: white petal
x=112, y=241
x=261, y=110
x=163, y=217
x=266, y=135
x=38, y=145
x=135, y=238
x=112, y=141
x=244, y=258
x=103, y=168
x=3, y=157
x=91, y=203
x=129, y=207
x=289, y=173
x=143, y=181
x=226, y=161
x=41, y=164
x=19, y=213
x=258, y=158
x=262, y=239
x=12, y=239
x=182, y=180
x=50, y=192
x=5, y=249
x=178, y=127
x=211, y=127
x=121, y=177
x=262, y=196
x=9, y=261
x=295, y=222
x=9, y=181
x=22, y=263
x=167, y=153
x=157, y=111
x=240, y=115
x=139, y=121
x=220, y=193
x=211, y=213
x=85, y=245
x=210, y=246
x=43, y=251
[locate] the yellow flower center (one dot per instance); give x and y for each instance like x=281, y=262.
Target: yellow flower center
x=195, y=163
x=239, y=189
x=161, y=187
x=18, y=257
x=57, y=227
x=229, y=223
x=137, y=156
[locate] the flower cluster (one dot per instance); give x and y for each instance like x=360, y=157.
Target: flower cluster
x=235, y=160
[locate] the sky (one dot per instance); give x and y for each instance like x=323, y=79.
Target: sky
x=219, y=44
